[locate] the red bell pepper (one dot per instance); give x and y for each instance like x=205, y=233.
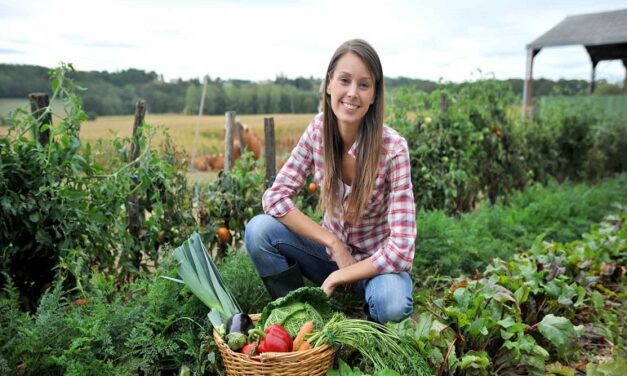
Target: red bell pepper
x=276, y=339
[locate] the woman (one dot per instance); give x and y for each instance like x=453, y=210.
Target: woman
x=362, y=167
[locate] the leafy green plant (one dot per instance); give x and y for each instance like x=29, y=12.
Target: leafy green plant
x=148, y=326
x=249, y=292
x=343, y=369
x=462, y=144
x=379, y=346
x=521, y=313
x=469, y=144
x=230, y=202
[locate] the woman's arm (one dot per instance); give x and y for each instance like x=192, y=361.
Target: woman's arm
x=363, y=269
x=301, y=224
x=349, y=270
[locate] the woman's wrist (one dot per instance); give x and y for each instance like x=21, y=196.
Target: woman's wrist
x=332, y=241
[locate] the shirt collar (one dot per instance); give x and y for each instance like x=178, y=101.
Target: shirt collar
x=353, y=150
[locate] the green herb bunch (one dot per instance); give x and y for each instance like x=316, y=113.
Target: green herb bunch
x=380, y=347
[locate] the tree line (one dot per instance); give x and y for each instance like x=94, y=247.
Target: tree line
x=114, y=93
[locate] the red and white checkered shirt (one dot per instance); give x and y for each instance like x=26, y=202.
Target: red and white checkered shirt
x=386, y=231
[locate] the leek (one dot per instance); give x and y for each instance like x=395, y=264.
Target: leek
x=201, y=276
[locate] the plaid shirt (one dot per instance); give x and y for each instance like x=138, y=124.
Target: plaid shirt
x=386, y=231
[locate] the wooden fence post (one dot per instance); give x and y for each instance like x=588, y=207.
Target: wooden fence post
x=140, y=112
x=240, y=132
x=443, y=103
x=228, y=141
x=270, y=149
x=39, y=102
x=133, y=207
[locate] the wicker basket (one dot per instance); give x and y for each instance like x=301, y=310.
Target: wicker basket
x=315, y=361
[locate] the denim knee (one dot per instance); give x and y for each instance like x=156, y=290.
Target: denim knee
x=256, y=234
x=390, y=310
x=260, y=234
x=390, y=299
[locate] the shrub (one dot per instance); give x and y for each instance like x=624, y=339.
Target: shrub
x=61, y=206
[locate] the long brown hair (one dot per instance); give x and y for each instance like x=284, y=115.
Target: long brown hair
x=370, y=139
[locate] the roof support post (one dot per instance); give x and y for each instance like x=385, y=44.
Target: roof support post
x=592, y=75
x=625, y=81
x=527, y=86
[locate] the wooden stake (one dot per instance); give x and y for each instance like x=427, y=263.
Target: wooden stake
x=39, y=102
x=228, y=141
x=270, y=149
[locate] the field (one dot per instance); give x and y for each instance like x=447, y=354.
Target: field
x=10, y=104
x=182, y=129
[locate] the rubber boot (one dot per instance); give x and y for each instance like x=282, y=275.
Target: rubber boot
x=280, y=284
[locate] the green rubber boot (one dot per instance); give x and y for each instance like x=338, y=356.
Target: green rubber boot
x=280, y=284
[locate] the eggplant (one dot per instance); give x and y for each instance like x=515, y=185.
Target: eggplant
x=239, y=323
x=237, y=327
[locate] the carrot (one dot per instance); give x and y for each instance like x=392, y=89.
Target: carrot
x=300, y=336
x=305, y=346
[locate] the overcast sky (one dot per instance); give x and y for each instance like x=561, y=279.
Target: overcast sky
x=259, y=39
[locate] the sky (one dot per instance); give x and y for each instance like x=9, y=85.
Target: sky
x=456, y=40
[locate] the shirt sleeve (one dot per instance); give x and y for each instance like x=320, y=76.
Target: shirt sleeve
x=397, y=252
x=277, y=200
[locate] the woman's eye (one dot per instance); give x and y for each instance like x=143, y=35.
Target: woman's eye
x=365, y=85
x=344, y=80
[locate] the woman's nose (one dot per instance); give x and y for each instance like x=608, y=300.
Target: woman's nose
x=352, y=90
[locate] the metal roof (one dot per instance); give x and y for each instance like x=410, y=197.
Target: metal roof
x=592, y=29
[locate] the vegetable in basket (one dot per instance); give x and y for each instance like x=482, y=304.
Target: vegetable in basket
x=307, y=328
x=296, y=308
x=277, y=339
x=201, y=276
x=237, y=327
x=274, y=339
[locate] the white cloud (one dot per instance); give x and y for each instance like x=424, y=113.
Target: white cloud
x=260, y=39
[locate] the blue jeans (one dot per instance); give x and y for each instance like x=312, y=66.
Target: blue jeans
x=273, y=247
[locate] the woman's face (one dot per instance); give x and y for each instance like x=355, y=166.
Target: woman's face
x=351, y=89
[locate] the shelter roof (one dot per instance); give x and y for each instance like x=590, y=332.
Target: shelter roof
x=592, y=29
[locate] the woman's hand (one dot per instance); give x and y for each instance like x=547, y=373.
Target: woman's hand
x=330, y=283
x=340, y=254
x=357, y=271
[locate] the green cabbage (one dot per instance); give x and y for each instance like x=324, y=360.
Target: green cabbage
x=296, y=308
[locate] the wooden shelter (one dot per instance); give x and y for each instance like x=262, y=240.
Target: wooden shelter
x=604, y=35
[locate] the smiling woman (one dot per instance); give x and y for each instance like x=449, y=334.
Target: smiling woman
x=362, y=167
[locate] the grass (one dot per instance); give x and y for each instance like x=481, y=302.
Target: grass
x=559, y=212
